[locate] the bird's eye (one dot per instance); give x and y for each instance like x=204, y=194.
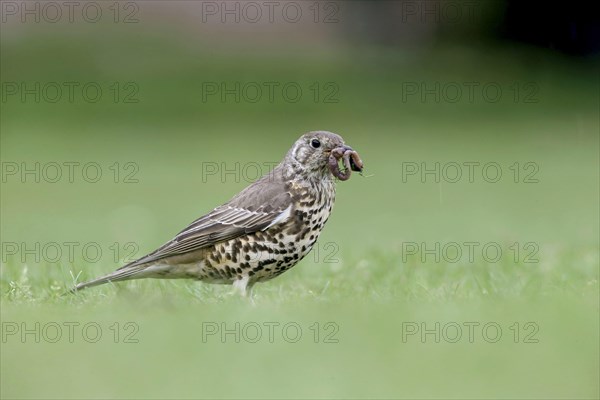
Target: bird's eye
x=315, y=143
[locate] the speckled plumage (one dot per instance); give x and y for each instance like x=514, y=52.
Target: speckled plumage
x=259, y=234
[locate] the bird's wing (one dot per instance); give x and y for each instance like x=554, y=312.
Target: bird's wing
x=259, y=206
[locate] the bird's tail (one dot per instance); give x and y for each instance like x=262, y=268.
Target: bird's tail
x=122, y=274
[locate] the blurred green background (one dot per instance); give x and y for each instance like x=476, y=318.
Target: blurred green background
x=358, y=67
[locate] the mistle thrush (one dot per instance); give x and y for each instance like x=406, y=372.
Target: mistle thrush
x=261, y=232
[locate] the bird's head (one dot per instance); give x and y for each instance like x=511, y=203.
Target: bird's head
x=312, y=153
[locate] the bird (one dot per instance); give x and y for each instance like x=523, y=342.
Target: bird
x=262, y=231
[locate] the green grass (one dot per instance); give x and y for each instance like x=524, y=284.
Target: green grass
x=364, y=308
x=360, y=281
x=368, y=305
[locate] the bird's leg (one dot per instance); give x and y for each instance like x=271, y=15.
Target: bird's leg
x=242, y=286
x=250, y=289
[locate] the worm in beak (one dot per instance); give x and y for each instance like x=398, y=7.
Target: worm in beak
x=350, y=159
